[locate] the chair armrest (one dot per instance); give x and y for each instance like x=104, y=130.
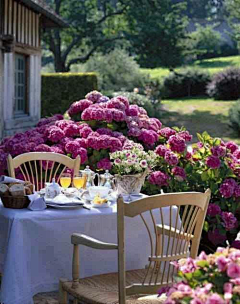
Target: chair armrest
x=81, y=239
x=170, y=231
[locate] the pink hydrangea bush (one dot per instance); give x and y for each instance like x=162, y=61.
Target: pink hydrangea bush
x=98, y=126
x=211, y=279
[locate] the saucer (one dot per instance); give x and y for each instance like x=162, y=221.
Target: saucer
x=87, y=197
x=104, y=205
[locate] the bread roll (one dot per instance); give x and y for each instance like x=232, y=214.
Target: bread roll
x=4, y=190
x=30, y=186
x=17, y=190
x=27, y=190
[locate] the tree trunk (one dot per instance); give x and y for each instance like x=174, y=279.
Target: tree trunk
x=60, y=64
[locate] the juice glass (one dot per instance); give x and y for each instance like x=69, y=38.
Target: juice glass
x=65, y=180
x=79, y=181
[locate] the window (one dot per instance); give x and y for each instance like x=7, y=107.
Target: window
x=20, y=105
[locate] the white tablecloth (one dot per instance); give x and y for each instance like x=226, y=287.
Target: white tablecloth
x=35, y=247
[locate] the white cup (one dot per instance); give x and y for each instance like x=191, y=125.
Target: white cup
x=98, y=190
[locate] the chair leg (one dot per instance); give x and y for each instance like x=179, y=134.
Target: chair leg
x=63, y=296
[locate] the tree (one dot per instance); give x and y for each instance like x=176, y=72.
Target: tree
x=92, y=25
x=157, y=31
x=233, y=10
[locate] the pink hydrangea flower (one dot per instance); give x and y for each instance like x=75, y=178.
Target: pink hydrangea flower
x=159, y=178
x=179, y=173
x=189, y=266
x=94, y=96
x=237, y=191
x=233, y=270
x=177, y=143
x=236, y=244
x=124, y=100
x=43, y=148
x=104, y=164
x=227, y=187
x=213, y=210
x=82, y=153
x=149, y=137
x=133, y=110
x=215, y=299
x=72, y=146
x=216, y=237
x=236, y=154
x=222, y=263
x=171, y=158
x=118, y=115
x=213, y=162
x=57, y=149
x=104, y=131
x=228, y=289
x=103, y=99
x=85, y=131
x=134, y=132
x=218, y=151
x=185, y=135
x=115, y=103
x=55, y=134
x=62, y=124
x=230, y=221
x=71, y=130
x=231, y=146
x=167, y=132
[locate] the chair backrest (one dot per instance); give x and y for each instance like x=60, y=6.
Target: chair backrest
x=172, y=232
x=42, y=167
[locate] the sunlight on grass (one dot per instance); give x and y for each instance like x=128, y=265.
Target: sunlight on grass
x=210, y=65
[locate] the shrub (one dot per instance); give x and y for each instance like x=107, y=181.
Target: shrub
x=60, y=89
x=117, y=71
x=188, y=82
x=234, y=116
x=152, y=107
x=225, y=85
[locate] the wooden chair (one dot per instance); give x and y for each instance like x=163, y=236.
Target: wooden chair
x=181, y=239
x=42, y=167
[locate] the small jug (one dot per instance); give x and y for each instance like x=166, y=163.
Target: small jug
x=90, y=176
x=107, y=180
x=52, y=189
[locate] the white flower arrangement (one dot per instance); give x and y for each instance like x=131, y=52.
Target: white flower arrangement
x=133, y=161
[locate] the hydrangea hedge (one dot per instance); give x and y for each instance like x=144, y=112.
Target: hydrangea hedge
x=96, y=126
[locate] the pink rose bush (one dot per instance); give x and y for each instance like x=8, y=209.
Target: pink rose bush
x=97, y=126
x=210, y=279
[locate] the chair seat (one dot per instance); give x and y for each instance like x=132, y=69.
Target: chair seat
x=103, y=289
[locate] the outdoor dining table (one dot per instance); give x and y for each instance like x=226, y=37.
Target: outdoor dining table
x=35, y=247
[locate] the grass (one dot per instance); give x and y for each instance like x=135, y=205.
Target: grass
x=210, y=65
x=199, y=115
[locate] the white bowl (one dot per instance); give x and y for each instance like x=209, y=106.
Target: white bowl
x=98, y=190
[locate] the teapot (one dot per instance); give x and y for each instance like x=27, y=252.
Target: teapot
x=90, y=176
x=52, y=189
x=106, y=180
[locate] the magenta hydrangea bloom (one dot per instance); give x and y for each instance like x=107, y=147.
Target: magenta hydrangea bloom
x=161, y=150
x=57, y=149
x=230, y=221
x=62, y=124
x=134, y=132
x=94, y=96
x=213, y=162
x=133, y=110
x=237, y=154
x=55, y=134
x=227, y=188
x=154, y=124
x=115, y=103
x=179, y=173
x=236, y=244
x=104, y=131
x=232, y=146
x=82, y=153
x=185, y=135
x=43, y=148
x=118, y=115
x=237, y=191
x=167, y=132
x=124, y=100
x=159, y=178
x=171, y=158
x=85, y=131
x=149, y=137
x=213, y=210
x=72, y=146
x=104, y=164
x=71, y=130
x=103, y=99
x=218, y=151
x=177, y=143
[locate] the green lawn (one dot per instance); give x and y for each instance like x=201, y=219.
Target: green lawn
x=211, y=65
x=198, y=115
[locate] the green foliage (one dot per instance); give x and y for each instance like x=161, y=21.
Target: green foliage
x=60, y=89
x=156, y=32
x=233, y=9
x=225, y=85
x=153, y=109
x=188, y=82
x=234, y=116
x=205, y=42
x=116, y=71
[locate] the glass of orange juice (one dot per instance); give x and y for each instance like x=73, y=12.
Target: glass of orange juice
x=79, y=181
x=65, y=180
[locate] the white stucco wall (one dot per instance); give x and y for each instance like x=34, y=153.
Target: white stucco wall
x=21, y=123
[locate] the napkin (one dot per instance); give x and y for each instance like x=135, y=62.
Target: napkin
x=6, y=180
x=37, y=203
x=62, y=200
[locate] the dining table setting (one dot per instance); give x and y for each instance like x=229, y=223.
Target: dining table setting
x=35, y=247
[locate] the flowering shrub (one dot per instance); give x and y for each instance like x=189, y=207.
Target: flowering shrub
x=133, y=161
x=98, y=126
x=211, y=279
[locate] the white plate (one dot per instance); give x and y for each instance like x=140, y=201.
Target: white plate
x=87, y=197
